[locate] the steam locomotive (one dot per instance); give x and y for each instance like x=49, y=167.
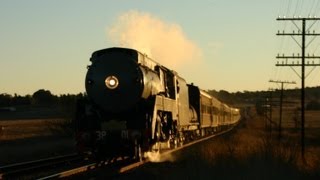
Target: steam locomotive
x=135, y=105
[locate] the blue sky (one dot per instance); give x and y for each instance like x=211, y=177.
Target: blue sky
x=47, y=44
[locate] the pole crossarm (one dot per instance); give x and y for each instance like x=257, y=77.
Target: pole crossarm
x=297, y=34
x=297, y=18
x=286, y=64
x=284, y=82
x=297, y=57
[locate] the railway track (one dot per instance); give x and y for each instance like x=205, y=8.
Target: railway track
x=35, y=168
x=119, y=166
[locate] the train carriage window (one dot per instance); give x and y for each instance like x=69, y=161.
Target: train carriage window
x=170, y=85
x=178, y=87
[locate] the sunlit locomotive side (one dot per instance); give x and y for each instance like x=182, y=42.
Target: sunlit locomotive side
x=136, y=105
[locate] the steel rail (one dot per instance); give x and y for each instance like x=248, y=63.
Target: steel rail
x=24, y=167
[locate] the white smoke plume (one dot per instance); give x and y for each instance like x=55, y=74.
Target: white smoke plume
x=164, y=42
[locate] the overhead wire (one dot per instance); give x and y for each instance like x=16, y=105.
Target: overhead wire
x=301, y=9
x=296, y=9
x=311, y=8
x=314, y=45
x=313, y=79
x=287, y=73
x=316, y=8
x=284, y=41
x=281, y=8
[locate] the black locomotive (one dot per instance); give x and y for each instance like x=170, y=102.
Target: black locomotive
x=135, y=105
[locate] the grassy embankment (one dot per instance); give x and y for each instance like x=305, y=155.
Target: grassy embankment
x=249, y=152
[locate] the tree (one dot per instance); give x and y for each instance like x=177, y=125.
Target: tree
x=43, y=97
x=5, y=100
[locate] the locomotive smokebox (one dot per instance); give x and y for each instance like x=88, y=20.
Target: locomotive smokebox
x=117, y=81
x=114, y=80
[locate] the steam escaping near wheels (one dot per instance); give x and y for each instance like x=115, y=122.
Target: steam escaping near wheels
x=156, y=157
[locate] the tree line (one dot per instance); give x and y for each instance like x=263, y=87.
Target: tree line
x=44, y=97
x=258, y=98
x=41, y=97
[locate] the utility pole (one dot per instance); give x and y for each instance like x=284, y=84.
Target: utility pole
x=270, y=111
x=303, y=33
x=281, y=100
x=269, y=103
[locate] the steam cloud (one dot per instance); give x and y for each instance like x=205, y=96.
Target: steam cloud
x=164, y=42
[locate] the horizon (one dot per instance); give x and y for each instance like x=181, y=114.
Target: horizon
x=244, y=91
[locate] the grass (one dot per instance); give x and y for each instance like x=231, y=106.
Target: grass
x=21, y=129
x=249, y=152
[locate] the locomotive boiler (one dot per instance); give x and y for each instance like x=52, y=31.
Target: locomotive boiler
x=135, y=105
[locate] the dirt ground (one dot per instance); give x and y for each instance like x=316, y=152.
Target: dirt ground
x=31, y=139
x=34, y=148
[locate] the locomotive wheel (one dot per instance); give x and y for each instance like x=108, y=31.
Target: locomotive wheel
x=156, y=147
x=138, y=155
x=180, y=139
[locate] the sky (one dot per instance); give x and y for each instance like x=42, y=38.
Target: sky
x=215, y=44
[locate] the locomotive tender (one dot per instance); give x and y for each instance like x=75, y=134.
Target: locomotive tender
x=135, y=105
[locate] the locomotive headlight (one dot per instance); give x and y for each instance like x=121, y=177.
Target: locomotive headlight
x=112, y=82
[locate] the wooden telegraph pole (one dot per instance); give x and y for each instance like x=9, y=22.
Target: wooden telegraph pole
x=281, y=100
x=303, y=33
